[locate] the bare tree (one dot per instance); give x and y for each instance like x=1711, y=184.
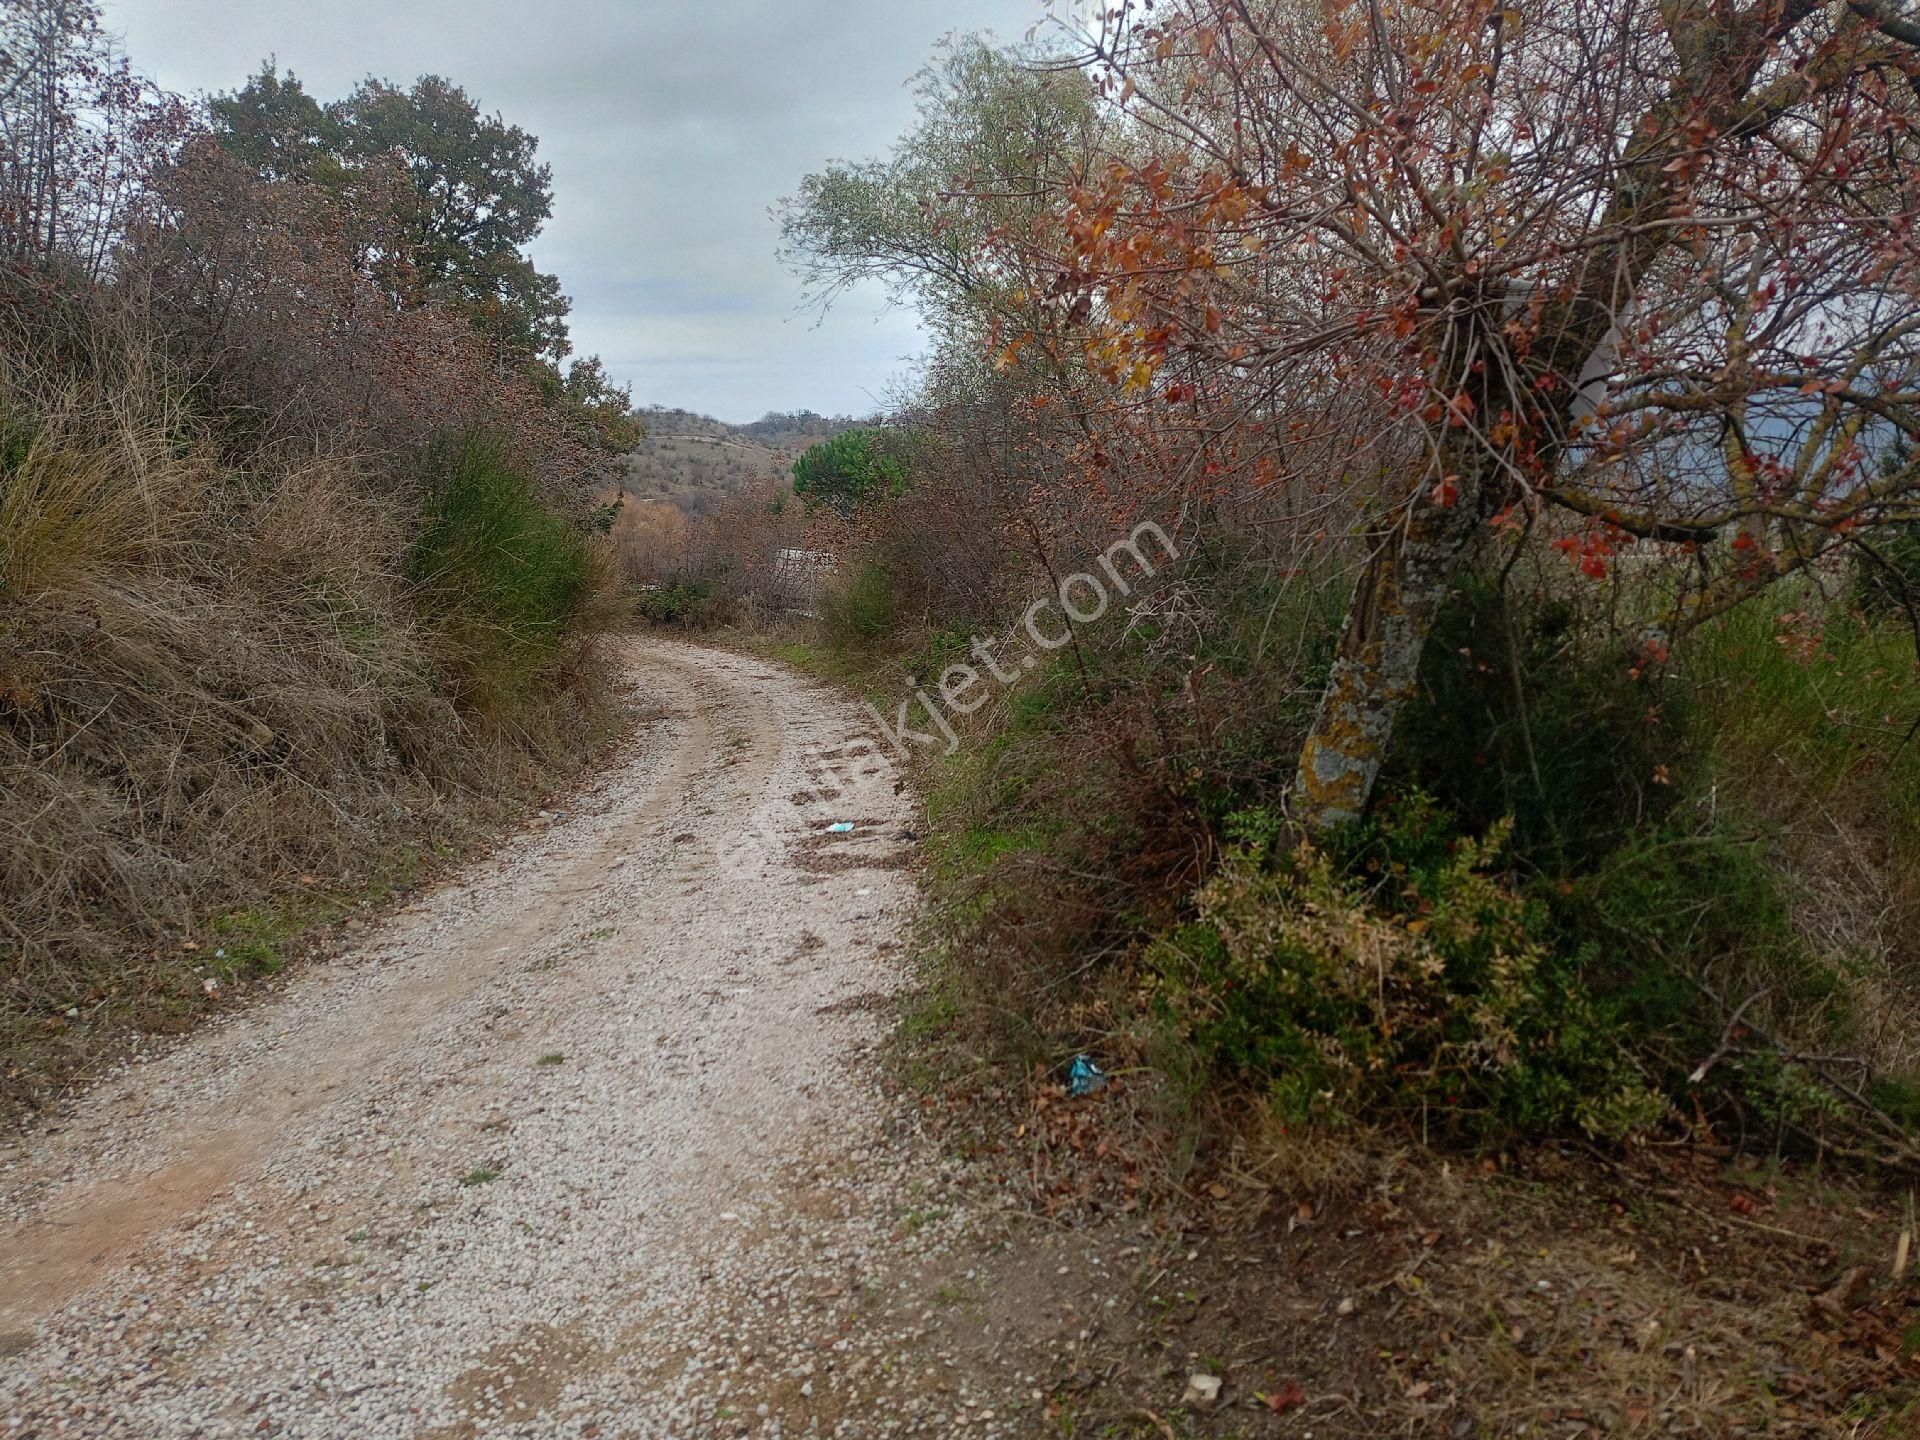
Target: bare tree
x=79, y=135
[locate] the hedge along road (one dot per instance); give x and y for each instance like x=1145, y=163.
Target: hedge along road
x=574, y=1145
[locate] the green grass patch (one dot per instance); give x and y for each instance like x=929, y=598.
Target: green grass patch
x=1825, y=701
x=859, y=608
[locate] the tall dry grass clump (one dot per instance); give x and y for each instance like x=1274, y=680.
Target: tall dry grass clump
x=92, y=480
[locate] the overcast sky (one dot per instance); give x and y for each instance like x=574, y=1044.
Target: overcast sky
x=671, y=125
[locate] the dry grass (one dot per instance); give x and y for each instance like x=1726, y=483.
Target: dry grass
x=214, y=689
x=93, y=481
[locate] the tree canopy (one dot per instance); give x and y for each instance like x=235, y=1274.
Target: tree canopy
x=995, y=137
x=479, y=195
x=850, y=469
x=273, y=125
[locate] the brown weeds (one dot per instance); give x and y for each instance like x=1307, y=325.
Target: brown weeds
x=213, y=689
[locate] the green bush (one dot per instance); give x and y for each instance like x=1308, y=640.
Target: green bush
x=692, y=603
x=1408, y=977
x=1512, y=719
x=860, y=609
x=500, y=569
x=1648, y=900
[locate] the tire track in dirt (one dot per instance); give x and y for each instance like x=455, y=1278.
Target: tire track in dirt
x=487, y=1169
x=94, y=1228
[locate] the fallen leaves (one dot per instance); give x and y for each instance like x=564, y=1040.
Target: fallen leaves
x=1287, y=1397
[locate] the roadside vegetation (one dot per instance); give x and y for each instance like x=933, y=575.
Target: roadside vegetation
x=1505, y=768
x=300, y=562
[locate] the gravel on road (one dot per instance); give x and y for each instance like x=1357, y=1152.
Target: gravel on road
x=589, y=1141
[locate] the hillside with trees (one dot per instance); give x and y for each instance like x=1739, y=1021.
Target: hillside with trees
x=694, y=462
x=300, y=520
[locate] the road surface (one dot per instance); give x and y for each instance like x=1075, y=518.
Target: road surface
x=588, y=1141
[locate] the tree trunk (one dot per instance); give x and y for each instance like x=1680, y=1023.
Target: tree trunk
x=1406, y=580
x=1412, y=565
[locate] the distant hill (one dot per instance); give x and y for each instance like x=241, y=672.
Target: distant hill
x=694, y=461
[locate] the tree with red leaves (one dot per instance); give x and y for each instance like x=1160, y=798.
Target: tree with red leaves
x=80, y=134
x=1634, y=272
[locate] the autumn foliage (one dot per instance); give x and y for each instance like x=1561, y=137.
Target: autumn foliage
x=1503, y=372
x=1631, y=272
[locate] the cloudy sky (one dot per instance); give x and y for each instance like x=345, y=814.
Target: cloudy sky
x=671, y=125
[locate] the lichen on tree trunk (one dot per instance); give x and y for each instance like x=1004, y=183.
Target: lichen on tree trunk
x=1408, y=573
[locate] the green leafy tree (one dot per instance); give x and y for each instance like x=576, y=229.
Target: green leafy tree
x=274, y=126
x=592, y=403
x=481, y=196
x=999, y=123
x=852, y=468
x=478, y=193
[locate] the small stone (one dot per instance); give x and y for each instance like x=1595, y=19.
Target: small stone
x=1203, y=1391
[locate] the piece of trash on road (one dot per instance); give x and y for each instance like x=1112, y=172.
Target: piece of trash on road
x=840, y=827
x=1084, y=1077
x=1203, y=1391
x=1285, y=1398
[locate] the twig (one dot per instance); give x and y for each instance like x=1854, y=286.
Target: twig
x=1726, y=1039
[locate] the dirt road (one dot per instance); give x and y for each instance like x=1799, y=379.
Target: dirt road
x=588, y=1142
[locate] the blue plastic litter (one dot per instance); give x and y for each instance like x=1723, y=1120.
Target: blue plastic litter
x=839, y=827
x=1084, y=1077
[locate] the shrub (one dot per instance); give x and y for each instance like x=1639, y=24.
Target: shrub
x=693, y=603
x=503, y=572
x=1514, y=718
x=859, y=608
x=1084, y=804
x=1419, y=981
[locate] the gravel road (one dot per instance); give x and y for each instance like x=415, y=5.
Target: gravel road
x=589, y=1141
